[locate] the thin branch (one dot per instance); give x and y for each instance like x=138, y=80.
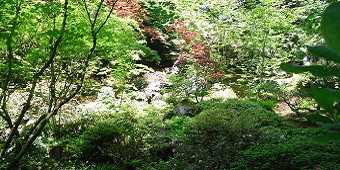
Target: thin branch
x=107, y=18
x=97, y=12
x=88, y=13
x=9, y=75
x=34, y=83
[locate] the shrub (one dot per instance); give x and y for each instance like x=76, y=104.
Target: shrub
x=114, y=140
x=245, y=109
x=215, y=135
x=290, y=148
x=268, y=104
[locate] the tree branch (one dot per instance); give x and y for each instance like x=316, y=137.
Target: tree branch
x=34, y=83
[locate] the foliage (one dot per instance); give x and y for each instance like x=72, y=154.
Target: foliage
x=268, y=92
x=194, y=49
x=187, y=85
x=308, y=80
x=51, y=51
x=159, y=14
x=115, y=140
x=197, y=70
x=219, y=130
x=274, y=35
x=288, y=148
x=126, y=136
x=326, y=98
x=120, y=48
x=48, y=50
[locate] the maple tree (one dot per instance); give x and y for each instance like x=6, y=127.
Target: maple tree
x=193, y=48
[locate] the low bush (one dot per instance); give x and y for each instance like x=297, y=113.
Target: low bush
x=244, y=109
x=239, y=134
x=114, y=140
x=290, y=148
x=214, y=136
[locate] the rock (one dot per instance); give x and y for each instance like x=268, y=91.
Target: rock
x=156, y=96
x=182, y=110
x=225, y=94
x=171, y=70
x=159, y=102
x=89, y=108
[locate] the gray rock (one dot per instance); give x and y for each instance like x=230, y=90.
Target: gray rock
x=182, y=110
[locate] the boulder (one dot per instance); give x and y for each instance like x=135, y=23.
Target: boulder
x=182, y=110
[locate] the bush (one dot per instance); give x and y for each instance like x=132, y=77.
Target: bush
x=244, y=109
x=215, y=135
x=268, y=104
x=114, y=140
x=290, y=148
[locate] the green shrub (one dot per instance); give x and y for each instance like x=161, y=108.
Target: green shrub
x=214, y=136
x=243, y=108
x=268, y=104
x=290, y=148
x=114, y=140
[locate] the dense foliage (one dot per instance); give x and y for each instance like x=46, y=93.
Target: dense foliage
x=84, y=84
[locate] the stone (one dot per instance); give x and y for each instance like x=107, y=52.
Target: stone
x=181, y=110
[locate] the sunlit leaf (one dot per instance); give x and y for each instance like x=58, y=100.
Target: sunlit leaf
x=324, y=52
x=323, y=97
x=330, y=26
x=319, y=71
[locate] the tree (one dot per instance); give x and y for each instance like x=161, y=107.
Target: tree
x=35, y=40
x=236, y=30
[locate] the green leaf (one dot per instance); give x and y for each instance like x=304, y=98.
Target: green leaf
x=318, y=118
x=324, y=52
x=330, y=26
x=336, y=95
x=337, y=108
x=327, y=137
x=323, y=97
x=318, y=71
x=332, y=125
